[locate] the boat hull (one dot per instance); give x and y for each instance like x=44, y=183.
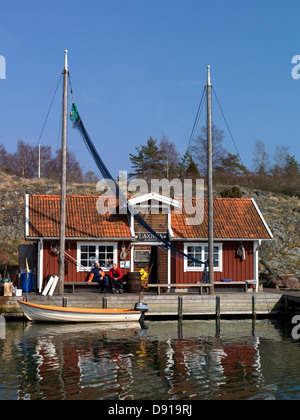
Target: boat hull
x=44, y=313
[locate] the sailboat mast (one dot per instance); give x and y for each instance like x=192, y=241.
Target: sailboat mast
x=210, y=186
x=63, y=179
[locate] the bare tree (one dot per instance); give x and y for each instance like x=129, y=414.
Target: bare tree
x=261, y=161
x=198, y=149
x=280, y=158
x=74, y=172
x=3, y=159
x=169, y=156
x=24, y=162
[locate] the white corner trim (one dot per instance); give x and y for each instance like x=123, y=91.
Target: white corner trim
x=132, y=225
x=262, y=218
x=40, y=264
x=169, y=266
x=256, y=245
x=170, y=230
x=132, y=259
x=26, y=215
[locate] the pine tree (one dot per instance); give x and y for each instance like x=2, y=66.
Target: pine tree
x=147, y=163
x=230, y=164
x=187, y=167
x=292, y=167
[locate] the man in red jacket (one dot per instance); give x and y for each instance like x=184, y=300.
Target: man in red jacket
x=116, y=279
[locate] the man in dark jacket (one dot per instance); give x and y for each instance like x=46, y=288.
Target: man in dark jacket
x=116, y=279
x=98, y=275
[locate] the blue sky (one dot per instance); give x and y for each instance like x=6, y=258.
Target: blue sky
x=138, y=70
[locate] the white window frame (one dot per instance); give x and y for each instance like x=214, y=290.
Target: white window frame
x=203, y=244
x=80, y=268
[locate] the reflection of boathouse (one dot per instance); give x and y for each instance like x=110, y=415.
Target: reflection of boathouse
x=239, y=228
x=128, y=363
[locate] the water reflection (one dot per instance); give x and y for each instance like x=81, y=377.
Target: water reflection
x=161, y=361
x=2, y=328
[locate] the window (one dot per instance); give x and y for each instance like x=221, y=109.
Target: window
x=200, y=252
x=106, y=256
x=87, y=254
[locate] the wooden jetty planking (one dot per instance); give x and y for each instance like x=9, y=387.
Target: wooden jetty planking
x=163, y=305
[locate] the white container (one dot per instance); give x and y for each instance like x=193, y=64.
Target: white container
x=18, y=292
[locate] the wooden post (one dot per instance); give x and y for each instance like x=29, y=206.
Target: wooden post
x=63, y=180
x=210, y=186
x=218, y=327
x=180, y=328
x=218, y=307
x=180, y=306
x=253, y=307
x=104, y=303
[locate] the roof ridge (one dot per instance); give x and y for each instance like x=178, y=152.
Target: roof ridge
x=111, y=196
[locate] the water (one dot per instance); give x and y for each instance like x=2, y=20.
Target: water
x=165, y=360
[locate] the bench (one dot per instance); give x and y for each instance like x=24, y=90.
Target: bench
x=200, y=286
x=244, y=283
x=80, y=283
x=83, y=283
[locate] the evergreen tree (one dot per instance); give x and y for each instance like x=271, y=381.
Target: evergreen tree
x=230, y=164
x=187, y=167
x=147, y=162
x=292, y=167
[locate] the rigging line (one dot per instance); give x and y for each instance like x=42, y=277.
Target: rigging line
x=197, y=118
x=199, y=111
x=38, y=142
x=59, y=128
x=228, y=127
x=71, y=89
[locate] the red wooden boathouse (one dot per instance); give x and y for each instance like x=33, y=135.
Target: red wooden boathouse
x=239, y=228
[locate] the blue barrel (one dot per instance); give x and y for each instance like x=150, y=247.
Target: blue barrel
x=27, y=281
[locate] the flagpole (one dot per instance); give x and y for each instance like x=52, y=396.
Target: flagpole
x=210, y=186
x=63, y=180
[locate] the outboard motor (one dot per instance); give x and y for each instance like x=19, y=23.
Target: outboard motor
x=143, y=307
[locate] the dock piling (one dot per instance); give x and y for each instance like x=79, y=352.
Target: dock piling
x=253, y=307
x=180, y=307
x=104, y=303
x=218, y=307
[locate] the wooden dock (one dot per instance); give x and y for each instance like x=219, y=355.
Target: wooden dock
x=291, y=302
x=168, y=305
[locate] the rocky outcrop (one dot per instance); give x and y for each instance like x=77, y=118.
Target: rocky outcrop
x=282, y=214
x=12, y=210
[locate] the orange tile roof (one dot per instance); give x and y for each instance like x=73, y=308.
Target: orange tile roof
x=82, y=218
x=233, y=219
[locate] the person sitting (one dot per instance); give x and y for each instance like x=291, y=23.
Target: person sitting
x=116, y=279
x=98, y=275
